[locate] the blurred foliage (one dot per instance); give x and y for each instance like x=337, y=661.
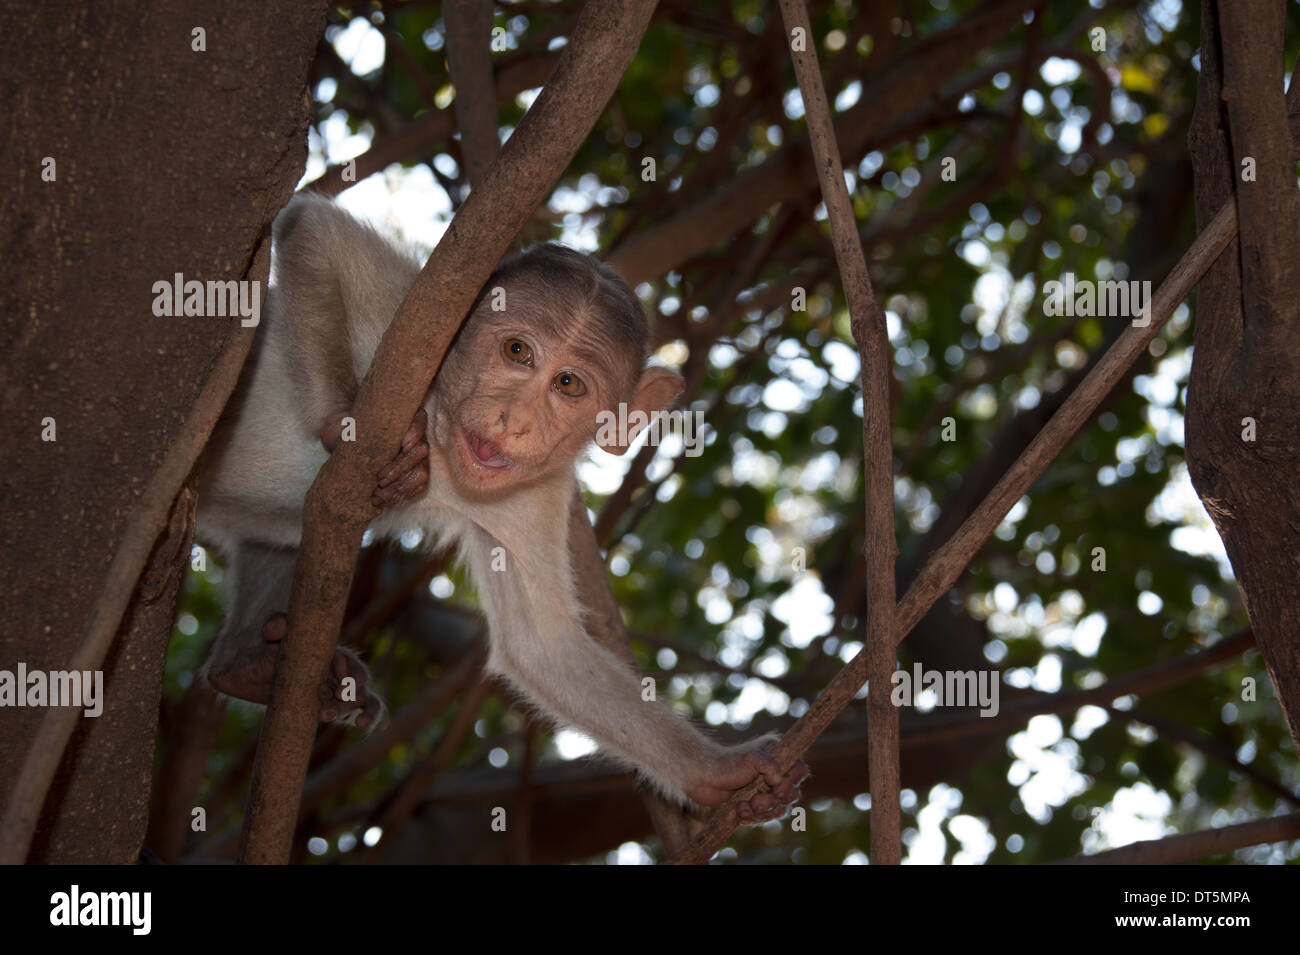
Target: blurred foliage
x=708, y=572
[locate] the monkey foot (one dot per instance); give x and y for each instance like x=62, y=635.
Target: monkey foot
x=407, y=476
x=343, y=694
x=742, y=766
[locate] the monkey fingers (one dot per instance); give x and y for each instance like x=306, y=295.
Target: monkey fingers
x=764, y=764
x=417, y=432
x=370, y=713
x=787, y=791
x=735, y=768
x=404, y=486
x=331, y=432
x=406, y=463
x=249, y=672
x=407, y=476
x=785, y=786
x=344, y=695
x=762, y=808
x=757, y=763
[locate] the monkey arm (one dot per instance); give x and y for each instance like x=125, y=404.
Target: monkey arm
x=539, y=645
x=338, y=285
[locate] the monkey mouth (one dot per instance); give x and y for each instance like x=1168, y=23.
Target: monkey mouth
x=483, y=452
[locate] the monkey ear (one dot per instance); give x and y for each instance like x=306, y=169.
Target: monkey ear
x=654, y=393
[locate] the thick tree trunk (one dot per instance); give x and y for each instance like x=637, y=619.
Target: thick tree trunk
x=1247, y=368
x=165, y=158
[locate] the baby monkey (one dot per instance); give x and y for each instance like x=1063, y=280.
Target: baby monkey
x=555, y=338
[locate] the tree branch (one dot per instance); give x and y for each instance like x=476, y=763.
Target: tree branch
x=1254, y=34
x=469, y=58
x=1190, y=846
x=868, y=326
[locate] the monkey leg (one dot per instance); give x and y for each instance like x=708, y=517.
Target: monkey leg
x=244, y=654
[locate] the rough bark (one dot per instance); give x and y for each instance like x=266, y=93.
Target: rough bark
x=469, y=58
x=1247, y=363
x=167, y=160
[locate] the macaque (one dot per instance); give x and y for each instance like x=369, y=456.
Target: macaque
x=487, y=465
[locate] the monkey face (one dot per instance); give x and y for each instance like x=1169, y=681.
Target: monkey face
x=515, y=402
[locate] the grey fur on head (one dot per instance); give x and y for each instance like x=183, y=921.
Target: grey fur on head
x=579, y=289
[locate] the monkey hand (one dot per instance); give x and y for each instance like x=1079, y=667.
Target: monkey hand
x=736, y=767
x=407, y=476
x=343, y=694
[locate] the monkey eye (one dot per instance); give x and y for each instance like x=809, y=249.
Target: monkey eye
x=567, y=383
x=517, y=351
